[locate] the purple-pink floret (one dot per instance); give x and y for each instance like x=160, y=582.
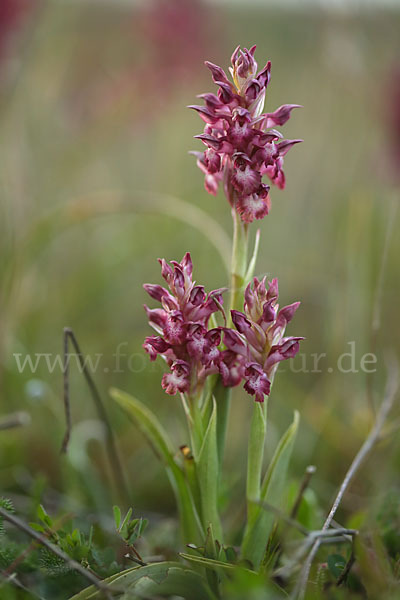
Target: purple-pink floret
x=259, y=339
x=248, y=353
x=241, y=146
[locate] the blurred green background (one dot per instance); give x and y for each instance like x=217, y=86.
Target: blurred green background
x=94, y=166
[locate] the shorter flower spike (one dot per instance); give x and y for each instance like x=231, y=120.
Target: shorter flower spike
x=190, y=349
x=259, y=338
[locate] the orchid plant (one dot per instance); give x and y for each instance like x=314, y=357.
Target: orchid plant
x=209, y=348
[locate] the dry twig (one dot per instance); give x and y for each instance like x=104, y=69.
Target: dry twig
x=303, y=486
x=110, y=439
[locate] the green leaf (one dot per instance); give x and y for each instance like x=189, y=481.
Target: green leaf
x=90, y=540
x=210, y=548
x=275, y=477
x=208, y=474
x=212, y=564
x=336, y=564
x=207, y=562
x=117, y=516
x=231, y=554
x=92, y=592
x=256, y=445
x=43, y=516
x=160, y=579
x=149, y=425
x=125, y=522
x=76, y=536
x=259, y=526
x=37, y=527
x=142, y=525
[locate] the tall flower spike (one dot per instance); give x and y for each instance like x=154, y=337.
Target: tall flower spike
x=259, y=338
x=240, y=145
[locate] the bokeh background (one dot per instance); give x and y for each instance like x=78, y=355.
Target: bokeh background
x=96, y=182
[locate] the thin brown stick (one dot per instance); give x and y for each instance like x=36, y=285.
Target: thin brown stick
x=116, y=464
x=133, y=549
x=349, y=564
x=373, y=437
x=136, y=559
x=67, y=405
x=73, y=564
x=303, y=486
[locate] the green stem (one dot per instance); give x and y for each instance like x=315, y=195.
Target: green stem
x=208, y=428
x=223, y=397
x=239, y=260
x=195, y=424
x=238, y=273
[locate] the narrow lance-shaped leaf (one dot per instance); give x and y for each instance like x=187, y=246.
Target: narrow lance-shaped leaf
x=210, y=562
x=149, y=425
x=259, y=526
x=208, y=474
x=256, y=445
x=126, y=519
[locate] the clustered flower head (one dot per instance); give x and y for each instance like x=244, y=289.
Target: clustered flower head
x=193, y=351
x=186, y=343
x=241, y=146
x=259, y=338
